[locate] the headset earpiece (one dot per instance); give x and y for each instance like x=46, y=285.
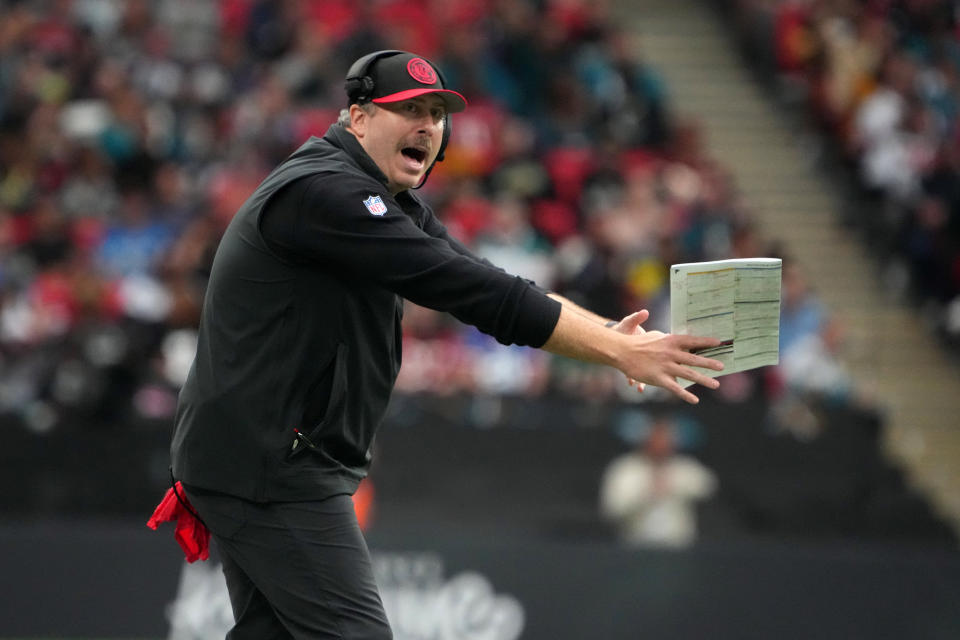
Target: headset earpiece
x=447, y=122
x=359, y=85
x=445, y=139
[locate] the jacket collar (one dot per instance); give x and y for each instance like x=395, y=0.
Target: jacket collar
x=339, y=137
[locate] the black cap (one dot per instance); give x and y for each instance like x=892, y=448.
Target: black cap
x=402, y=76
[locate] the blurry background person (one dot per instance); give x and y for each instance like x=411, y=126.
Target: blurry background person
x=649, y=494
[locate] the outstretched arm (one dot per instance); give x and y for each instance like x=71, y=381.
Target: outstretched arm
x=652, y=358
x=573, y=306
x=630, y=325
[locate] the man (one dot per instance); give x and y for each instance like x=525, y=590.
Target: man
x=650, y=493
x=300, y=344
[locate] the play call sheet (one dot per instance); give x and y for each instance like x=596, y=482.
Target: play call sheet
x=736, y=301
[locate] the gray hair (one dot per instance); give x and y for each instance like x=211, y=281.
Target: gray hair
x=344, y=119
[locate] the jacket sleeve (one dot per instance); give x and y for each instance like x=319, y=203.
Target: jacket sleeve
x=326, y=222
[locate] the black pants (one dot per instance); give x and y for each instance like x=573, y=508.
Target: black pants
x=294, y=569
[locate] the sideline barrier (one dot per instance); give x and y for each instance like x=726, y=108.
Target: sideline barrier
x=488, y=505
x=533, y=465
x=109, y=580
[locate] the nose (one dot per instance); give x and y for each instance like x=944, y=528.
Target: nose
x=430, y=126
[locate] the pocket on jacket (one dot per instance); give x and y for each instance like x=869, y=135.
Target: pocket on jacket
x=312, y=433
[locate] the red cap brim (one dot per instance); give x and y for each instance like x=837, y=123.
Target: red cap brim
x=454, y=101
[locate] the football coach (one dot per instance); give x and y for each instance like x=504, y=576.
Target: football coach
x=299, y=347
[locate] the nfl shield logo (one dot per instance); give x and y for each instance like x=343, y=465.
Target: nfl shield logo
x=374, y=205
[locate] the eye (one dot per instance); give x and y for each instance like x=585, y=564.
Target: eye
x=438, y=114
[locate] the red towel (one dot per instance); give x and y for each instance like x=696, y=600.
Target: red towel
x=193, y=536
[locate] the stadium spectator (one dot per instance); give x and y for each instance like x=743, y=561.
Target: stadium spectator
x=131, y=132
x=650, y=494
x=882, y=79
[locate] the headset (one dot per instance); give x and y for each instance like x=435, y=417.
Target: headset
x=359, y=86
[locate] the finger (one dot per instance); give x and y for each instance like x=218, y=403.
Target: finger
x=630, y=323
x=692, y=343
x=639, y=330
x=695, y=377
x=638, y=317
x=692, y=360
x=671, y=385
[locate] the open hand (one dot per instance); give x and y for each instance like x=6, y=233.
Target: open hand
x=660, y=358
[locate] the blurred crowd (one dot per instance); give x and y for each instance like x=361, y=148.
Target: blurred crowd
x=882, y=78
x=131, y=131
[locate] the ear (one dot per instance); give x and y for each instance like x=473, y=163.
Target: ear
x=359, y=118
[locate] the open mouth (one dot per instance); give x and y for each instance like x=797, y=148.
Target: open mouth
x=418, y=156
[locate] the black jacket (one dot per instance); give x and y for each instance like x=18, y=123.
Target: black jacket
x=301, y=326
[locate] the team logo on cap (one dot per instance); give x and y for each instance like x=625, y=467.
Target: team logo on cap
x=421, y=71
x=374, y=205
